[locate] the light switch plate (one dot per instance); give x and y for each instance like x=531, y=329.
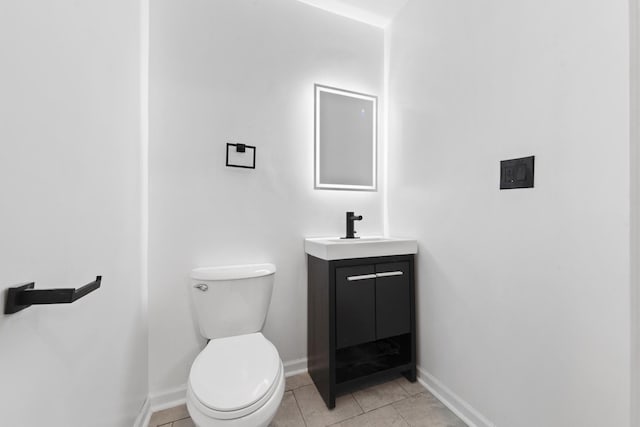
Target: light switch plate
x=517, y=173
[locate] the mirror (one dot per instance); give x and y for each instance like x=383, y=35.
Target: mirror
x=345, y=139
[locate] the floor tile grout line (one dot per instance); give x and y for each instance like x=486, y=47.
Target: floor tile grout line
x=298, y=406
x=408, y=395
x=400, y=413
x=405, y=390
x=347, y=419
x=380, y=407
x=403, y=418
x=350, y=418
x=424, y=393
x=357, y=403
x=388, y=404
x=300, y=386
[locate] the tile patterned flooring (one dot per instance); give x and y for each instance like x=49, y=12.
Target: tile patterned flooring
x=396, y=403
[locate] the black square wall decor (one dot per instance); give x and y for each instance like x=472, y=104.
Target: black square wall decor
x=517, y=173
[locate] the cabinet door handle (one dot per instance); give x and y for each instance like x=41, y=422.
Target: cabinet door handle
x=389, y=274
x=361, y=277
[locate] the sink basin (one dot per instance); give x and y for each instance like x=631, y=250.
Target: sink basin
x=332, y=248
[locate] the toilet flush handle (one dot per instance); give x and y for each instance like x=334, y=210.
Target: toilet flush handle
x=202, y=287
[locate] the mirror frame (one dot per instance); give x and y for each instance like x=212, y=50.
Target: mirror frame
x=318, y=89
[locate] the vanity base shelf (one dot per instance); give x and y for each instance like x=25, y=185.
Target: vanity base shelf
x=408, y=371
x=372, y=358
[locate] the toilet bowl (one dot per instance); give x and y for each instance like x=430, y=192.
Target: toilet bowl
x=238, y=379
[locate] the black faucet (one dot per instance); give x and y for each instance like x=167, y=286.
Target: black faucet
x=350, y=231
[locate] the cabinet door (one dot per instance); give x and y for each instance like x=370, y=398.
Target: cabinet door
x=355, y=305
x=393, y=299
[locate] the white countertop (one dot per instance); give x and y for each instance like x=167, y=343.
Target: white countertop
x=333, y=248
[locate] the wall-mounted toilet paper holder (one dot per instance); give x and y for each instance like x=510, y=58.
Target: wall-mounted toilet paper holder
x=23, y=296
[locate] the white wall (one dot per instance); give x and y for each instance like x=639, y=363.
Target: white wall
x=523, y=294
x=634, y=10
x=243, y=71
x=70, y=210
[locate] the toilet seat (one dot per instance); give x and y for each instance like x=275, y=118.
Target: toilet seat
x=204, y=417
x=234, y=376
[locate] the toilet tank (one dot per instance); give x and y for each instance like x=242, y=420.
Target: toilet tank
x=231, y=300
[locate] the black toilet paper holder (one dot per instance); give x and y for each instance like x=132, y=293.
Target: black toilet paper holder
x=23, y=296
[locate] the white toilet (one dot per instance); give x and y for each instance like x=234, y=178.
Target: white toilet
x=238, y=379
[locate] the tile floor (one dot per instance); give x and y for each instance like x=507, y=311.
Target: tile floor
x=396, y=403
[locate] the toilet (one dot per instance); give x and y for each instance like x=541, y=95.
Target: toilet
x=238, y=379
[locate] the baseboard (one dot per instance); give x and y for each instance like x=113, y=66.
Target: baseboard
x=159, y=401
x=144, y=416
x=168, y=399
x=177, y=396
x=455, y=403
x=295, y=367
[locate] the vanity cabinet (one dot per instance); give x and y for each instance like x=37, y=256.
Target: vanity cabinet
x=361, y=321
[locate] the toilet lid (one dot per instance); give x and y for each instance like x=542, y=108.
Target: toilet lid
x=235, y=372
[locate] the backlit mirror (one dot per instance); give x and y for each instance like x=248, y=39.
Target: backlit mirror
x=345, y=139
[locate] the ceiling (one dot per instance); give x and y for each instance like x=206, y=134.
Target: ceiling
x=374, y=12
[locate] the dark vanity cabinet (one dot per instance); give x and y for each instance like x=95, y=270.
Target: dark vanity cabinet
x=361, y=321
